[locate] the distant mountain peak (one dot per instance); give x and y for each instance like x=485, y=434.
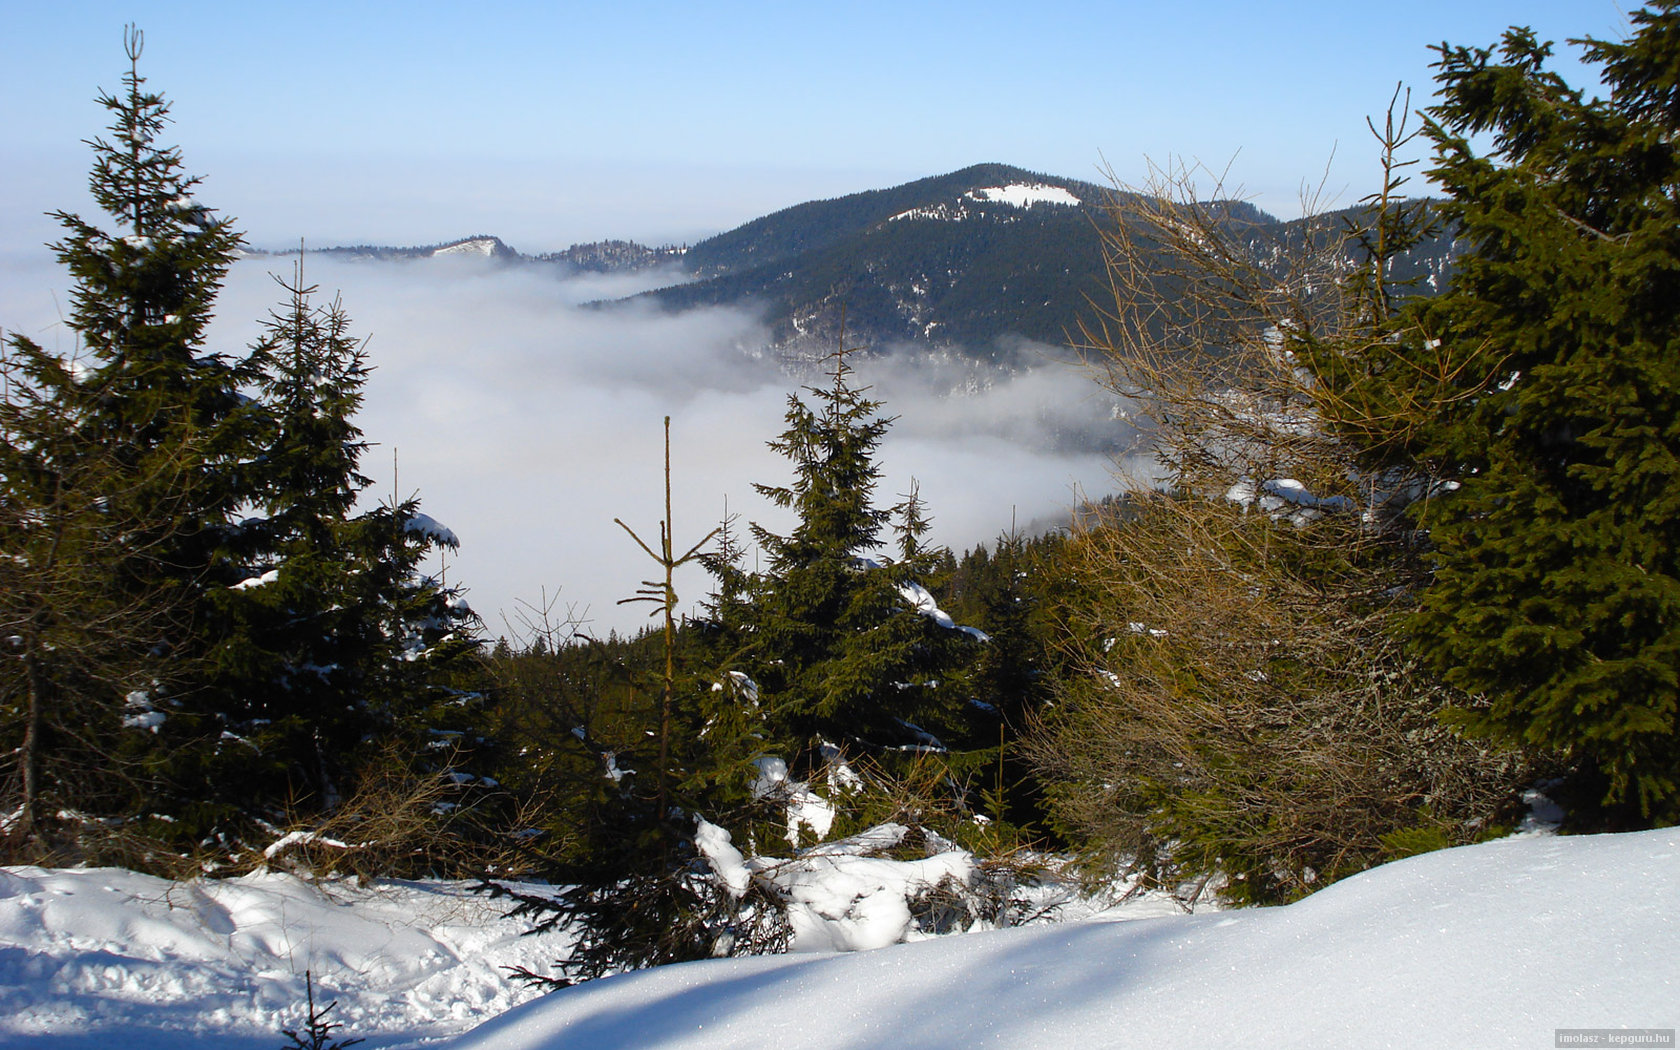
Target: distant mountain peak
x=479, y=245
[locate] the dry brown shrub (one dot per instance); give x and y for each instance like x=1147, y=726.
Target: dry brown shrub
x=1233, y=700
x=400, y=822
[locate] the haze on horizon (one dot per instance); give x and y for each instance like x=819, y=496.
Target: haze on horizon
x=554, y=123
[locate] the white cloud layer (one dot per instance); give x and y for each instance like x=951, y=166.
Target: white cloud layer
x=527, y=422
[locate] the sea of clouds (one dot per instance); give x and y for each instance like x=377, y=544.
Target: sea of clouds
x=527, y=421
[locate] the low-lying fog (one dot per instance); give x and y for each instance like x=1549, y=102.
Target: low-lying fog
x=527, y=424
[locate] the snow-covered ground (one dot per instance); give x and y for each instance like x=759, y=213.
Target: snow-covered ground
x=107, y=958
x=1497, y=945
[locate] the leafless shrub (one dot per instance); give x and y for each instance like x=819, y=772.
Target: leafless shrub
x=1234, y=699
x=401, y=821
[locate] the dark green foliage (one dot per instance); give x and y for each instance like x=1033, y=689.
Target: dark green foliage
x=1545, y=387
x=1009, y=593
x=831, y=636
x=635, y=766
x=122, y=465
x=205, y=639
x=78, y=634
x=335, y=638
x=615, y=813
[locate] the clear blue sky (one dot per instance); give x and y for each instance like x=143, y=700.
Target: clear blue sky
x=553, y=122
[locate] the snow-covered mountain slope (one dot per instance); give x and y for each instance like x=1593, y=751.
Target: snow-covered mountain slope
x=1497, y=945
x=1015, y=195
x=485, y=247
x=480, y=246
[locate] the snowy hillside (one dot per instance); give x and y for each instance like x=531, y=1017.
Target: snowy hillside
x=1487, y=946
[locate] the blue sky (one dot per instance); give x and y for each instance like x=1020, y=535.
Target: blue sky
x=549, y=123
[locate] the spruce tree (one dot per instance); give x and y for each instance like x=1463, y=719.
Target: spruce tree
x=149, y=458
x=77, y=640
x=836, y=639
x=333, y=638
x=1540, y=397
x=204, y=630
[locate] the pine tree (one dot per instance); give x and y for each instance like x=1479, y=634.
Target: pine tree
x=321, y=638
x=1541, y=396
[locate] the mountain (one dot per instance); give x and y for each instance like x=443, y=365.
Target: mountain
x=974, y=262
x=480, y=245
x=977, y=262
x=612, y=256
x=973, y=259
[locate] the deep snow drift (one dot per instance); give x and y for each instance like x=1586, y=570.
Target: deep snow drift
x=1496, y=945
x=1488, y=946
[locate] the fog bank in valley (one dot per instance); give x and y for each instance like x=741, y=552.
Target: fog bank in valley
x=528, y=422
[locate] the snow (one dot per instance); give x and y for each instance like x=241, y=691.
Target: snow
x=1497, y=945
x=1016, y=195
x=484, y=246
x=428, y=527
x=102, y=957
x=140, y=714
x=806, y=810
x=256, y=581
x=300, y=838
x=842, y=901
x=1024, y=196
x=921, y=600
x=726, y=861
x=1285, y=498
x=740, y=686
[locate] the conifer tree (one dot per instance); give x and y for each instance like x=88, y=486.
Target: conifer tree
x=195, y=611
x=76, y=639
x=149, y=456
x=1541, y=396
x=334, y=637
x=835, y=640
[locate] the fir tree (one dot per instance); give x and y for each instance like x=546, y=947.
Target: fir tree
x=1541, y=395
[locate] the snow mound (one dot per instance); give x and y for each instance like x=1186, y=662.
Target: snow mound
x=108, y=958
x=1497, y=945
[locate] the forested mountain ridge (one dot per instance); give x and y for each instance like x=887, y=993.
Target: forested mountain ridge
x=974, y=262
